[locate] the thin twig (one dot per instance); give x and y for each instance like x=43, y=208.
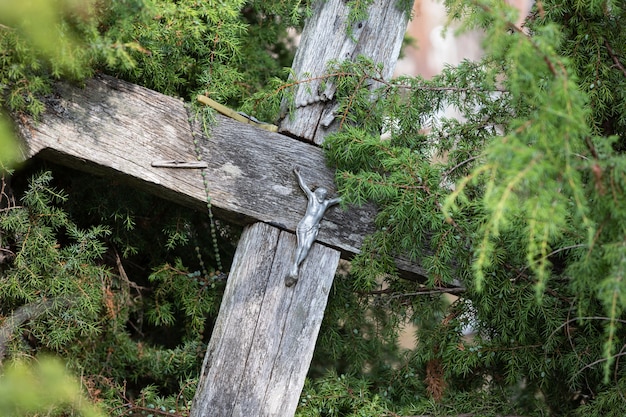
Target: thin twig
x=513, y=27
x=618, y=64
x=554, y=252
x=124, y=276
x=594, y=363
x=583, y=318
x=460, y=164
x=426, y=291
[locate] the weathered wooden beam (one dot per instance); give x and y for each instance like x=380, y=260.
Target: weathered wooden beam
x=264, y=337
x=112, y=125
x=329, y=35
x=115, y=127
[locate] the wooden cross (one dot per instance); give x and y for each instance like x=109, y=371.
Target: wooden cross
x=263, y=340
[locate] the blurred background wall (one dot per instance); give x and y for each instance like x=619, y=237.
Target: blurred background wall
x=434, y=48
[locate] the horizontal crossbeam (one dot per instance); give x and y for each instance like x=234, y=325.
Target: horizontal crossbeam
x=115, y=127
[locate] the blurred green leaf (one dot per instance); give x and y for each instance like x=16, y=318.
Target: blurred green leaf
x=41, y=386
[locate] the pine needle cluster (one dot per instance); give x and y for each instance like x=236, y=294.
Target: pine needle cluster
x=514, y=201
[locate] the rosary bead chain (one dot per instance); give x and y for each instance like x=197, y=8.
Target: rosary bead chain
x=213, y=229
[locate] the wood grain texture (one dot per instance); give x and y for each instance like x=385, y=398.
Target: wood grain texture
x=325, y=38
x=265, y=333
x=114, y=127
x=272, y=329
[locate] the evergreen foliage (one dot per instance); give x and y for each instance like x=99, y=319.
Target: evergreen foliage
x=115, y=299
x=517, y=199
x=515, y=204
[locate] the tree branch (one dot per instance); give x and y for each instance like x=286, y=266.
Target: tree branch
x=20, y=316
x=425, y=291
x=618, y=64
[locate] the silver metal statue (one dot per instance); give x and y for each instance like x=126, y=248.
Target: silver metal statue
x=309, y=226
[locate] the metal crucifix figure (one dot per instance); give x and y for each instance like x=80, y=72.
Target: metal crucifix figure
x=309, y=226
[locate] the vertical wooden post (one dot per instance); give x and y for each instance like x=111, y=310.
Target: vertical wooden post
x=265, y=334
x=329, y=36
